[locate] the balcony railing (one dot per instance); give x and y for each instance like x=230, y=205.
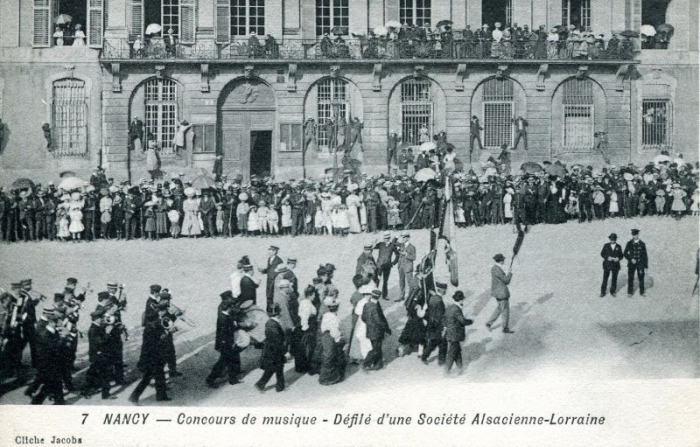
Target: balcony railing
x=368, y=49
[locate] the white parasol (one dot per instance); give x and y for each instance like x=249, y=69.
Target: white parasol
x=153, y=28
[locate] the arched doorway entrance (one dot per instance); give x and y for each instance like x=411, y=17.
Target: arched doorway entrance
x=246, y=128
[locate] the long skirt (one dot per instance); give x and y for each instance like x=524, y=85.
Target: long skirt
x=303, y=346
x=161, y=222
x=360, y=344
x=414, y=331
x=332, y=361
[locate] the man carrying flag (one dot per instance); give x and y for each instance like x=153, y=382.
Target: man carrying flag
x=500, y=278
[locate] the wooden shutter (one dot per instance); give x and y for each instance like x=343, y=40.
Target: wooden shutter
x=188, y=21
x=95, y=23
x=223, y=21
x=42, y=23
x=134, y=18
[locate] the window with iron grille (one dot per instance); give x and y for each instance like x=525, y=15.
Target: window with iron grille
x=498, y=103
x=414, y=12
x=161, y=112
x=247, y=16
x=332, y=102
x=577, y=13
x=416, y=110
x=331, y=13
x=657, y=117
x=579, y=116
x=69, y=118
x=170, y=16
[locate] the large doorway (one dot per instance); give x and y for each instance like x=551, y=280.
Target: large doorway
x=493, y=11
x=246, y=129
x=260, y=153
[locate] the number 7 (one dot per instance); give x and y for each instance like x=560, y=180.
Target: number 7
x=85, y=416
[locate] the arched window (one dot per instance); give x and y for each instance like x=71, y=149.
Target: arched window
x=579, y=115
x=333, y=101
x=498, y=103
x=416, y=109
x=657, y=117
x=69, y=117
x=161, y=112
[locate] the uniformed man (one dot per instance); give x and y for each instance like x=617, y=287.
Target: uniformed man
x=637, y=261
x=612, y=255
x=14, y=334
x=229, y=352
x=153, y=351
x=47, y=352
x=97, y=375
x=117, y=302
x=28, y=317
x=150, y=313
x=434, y=335
x=170, y=353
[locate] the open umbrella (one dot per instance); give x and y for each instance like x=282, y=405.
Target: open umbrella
x=648, y=30
x=153, y=28
x=444, y=23
x=558, y=169
x=23, y=183
x=665, y=28
x=70, y=183
x=424, y=175
x=428, y=146
x=339, y=30
x=62, y=19
x=392, y=24
x=381, y=31
x=65, y=174
x=530, y=167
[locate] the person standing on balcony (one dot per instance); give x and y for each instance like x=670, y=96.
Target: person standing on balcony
x=520, y=124
x=475, y=134
x=170, y=44
x=79, y=36
x=58, y=35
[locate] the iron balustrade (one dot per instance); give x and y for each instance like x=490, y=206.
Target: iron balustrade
x=368, y=49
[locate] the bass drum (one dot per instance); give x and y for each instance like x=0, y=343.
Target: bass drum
x=253, y=321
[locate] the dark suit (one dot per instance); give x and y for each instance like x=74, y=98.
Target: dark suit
x=377, y=327
x=98, y=374
x=435, y=316
x=48, y=349
x=406, y=258
x=454, y=333
x=154, y=357
x=610, y=268
x=272, y=359
x=637, y=260
x=151, y=312
x=272, y=263
x=387, y=257
x=230, y=357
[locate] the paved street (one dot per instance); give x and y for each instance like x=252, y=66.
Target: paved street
x=563, y=329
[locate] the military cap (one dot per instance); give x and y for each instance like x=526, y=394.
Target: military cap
x=26, y=282
x=440, y=285
x=635, y=232
x=112, y=285
x=155, y=288
x=376, y=293
x=227, y=295
x=274, y=247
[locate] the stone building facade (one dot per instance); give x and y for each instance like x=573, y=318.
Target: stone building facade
x=249, y=108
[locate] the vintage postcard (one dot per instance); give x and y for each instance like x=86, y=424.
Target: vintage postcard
x=349, y=222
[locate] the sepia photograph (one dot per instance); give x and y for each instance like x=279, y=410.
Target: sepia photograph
x=364, y=212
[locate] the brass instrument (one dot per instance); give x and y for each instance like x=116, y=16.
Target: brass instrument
x=179, y=313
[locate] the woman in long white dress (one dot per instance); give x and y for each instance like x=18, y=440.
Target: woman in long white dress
x=79, y=36
x=190, y=222
x=75, y=211
x=360, y=345
x=327, y=208
x=353, y=203
x=363, y=212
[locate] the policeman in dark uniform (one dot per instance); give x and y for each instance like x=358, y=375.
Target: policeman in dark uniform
x=153, y=351
x=637, y=261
